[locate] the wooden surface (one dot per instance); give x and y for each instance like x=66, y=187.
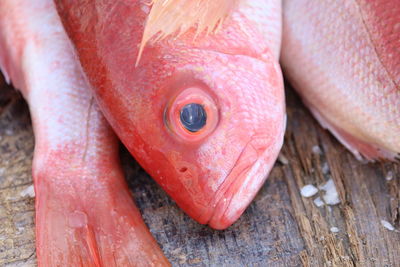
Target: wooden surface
x=280, y=228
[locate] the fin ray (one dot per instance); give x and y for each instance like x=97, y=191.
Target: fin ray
x=171, y=18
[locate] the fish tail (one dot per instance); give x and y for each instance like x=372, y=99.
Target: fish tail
x=86, y=222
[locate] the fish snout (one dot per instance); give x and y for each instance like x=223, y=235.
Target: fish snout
x=244, y=180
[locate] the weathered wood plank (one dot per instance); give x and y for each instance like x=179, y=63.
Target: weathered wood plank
x=280, y=228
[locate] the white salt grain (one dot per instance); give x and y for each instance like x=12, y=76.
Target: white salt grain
x=29, y=191
x=325, y=168
x=387, y=225
x=316, y=150
x=318, y=202
x=308, y=190
x=389, y=176
x=331, y=196
x=282, y=159
x=9, y=132
x=334, y=229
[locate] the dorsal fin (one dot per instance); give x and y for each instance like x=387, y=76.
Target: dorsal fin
x=176, y=17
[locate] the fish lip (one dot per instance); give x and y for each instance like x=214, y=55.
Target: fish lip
x=228, y=209
x=241, y=186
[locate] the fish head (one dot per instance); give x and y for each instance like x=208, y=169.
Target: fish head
x=212, y=125
x=203, y=114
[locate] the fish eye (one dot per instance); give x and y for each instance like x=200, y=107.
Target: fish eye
x=193, y=117
x=192, y=114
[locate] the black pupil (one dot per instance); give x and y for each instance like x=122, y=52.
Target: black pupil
x=193, y=117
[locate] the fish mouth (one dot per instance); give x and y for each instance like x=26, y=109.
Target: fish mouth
x=243, y=182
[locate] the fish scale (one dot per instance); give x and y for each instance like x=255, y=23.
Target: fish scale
x=333, y=61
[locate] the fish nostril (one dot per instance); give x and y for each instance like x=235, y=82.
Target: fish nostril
x=183, y=169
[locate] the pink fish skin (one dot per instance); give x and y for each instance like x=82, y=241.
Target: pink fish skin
x=212, y=174
x=343, y=57
x=85, y=215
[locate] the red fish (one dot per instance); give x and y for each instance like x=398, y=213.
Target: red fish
x=85, y=215
x=343, y=57
x=192, y=88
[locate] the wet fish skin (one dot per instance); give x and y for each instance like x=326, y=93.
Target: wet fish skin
x=343, y=57
x=214, y=175
x=85, y=215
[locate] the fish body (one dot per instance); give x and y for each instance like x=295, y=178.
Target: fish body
x=343, y=57
x=232, y=78
x=85, y=215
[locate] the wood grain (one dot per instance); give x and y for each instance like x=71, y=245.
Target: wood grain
x=280, y=228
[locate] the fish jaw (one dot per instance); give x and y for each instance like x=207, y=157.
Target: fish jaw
x=243, y=182
x=212, y=175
